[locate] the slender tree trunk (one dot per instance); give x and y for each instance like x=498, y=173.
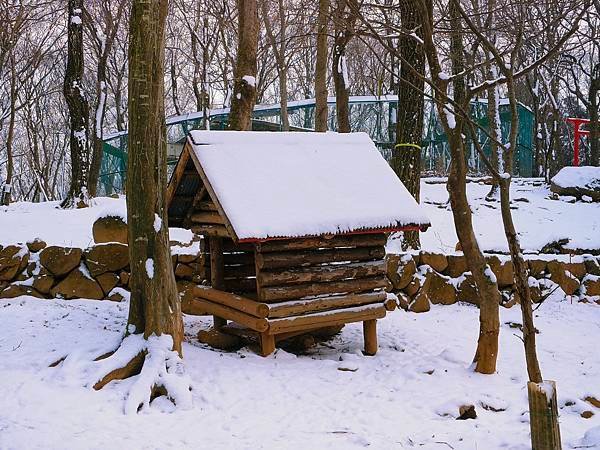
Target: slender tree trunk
x=98, y=124
x=493, y=116
x=344, y=20
x=594, y=127
x=321, y=110
x=78, y=194
x=406, y=155
x=154, y=305
x=244, y=83
x=7, y=188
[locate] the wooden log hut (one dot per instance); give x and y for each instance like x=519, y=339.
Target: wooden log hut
x=294, y=228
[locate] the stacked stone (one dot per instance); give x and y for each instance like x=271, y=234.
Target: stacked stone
x=426, y=278
x=97, y=272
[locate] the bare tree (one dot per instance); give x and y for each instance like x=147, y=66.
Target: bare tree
x=78, y=194
x=321, y=110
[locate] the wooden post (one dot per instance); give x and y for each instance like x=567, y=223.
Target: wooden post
x=543, y=416
x=370, y=336
x=267, y=343
x=217, y=269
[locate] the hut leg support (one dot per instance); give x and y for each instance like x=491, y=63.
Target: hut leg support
x=370, y=336
x=219, y=322
x=267, y=344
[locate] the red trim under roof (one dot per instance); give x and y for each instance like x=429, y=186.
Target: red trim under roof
x=369, y=231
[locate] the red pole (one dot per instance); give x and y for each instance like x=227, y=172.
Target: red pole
x=576, y=146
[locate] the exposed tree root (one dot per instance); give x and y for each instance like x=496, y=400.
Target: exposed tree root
x=158, y=370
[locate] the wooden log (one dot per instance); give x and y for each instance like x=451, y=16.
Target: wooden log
x=276, y=293
x=210, y=230
x=267, y=344
x=370, y=336
x=207, y=218
x=543, y=416
x=238, y=302
x=349, y=240
x=277, y=260
x=328, y=318
x=192, y=307
x=177, y=175
x=319, y=274
x=297, y=307
x=390, y=304
x=227, y=313
x=206, y=205
x=230, y=246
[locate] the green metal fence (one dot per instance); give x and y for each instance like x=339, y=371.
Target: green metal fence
x=373, y=115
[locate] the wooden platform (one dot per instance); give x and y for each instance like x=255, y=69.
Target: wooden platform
x=278, y=321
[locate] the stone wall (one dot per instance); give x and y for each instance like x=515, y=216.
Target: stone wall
x=99, y=272
x=425, y=278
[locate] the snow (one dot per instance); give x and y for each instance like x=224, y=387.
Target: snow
x=291, y=184
x=76, y=20
x=586, y=177
x=250, y=80
x=157, y=223
x=443, y=76
x=538, y=219
x=407, y=396
x=149, y=265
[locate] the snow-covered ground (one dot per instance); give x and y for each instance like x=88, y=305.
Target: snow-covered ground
x=407, y=396
x=539, y=220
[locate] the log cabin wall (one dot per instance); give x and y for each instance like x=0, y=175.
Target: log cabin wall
x=343, y=271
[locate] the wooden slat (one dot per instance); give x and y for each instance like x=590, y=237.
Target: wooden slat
x=230, y=246
x=213, y=196
x=206, y=205
x=238, y=302
x=278, y=293
x=228, y=313
x=317, y=274
x=351, y=240
x=328, y=318
x=242, y=271
x=296, y=307
x=277, y=260
x=177, y=175
x=206, y=217
x=210, y=230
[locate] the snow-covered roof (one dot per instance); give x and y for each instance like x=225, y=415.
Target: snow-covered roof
x=277, y=184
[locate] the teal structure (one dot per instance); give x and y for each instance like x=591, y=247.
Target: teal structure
x=370, y=114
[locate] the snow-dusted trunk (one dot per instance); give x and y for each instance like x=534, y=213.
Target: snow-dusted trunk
x=78, y=109
x=321, y=111
x=493, y=116
x=487, y=287
x=406, y=156
x=154, y=307
x=244, y=83
x=6, y=189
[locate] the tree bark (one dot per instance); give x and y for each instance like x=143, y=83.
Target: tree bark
x=406, y=155
x=78, y=194
x=154, y=305
x=594, y=127
x=321, y=110
x=5, y=194
x=344, y=20
x=244, y=83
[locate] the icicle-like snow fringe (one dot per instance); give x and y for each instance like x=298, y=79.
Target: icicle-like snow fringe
x=162, y=367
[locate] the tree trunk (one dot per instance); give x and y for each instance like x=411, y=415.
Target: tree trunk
x=7, y=188
x=154, y=305
x=406, y=155
x=78, y=194
x=244, y=83
x=594, y=127
x=98, y=123
x=321, y=110
x=344, y=20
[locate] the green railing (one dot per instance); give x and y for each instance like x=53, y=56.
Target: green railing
x=373, y=115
